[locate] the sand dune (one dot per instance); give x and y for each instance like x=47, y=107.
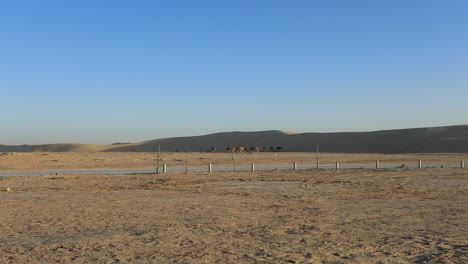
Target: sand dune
x=55, y=148
x=448, y=139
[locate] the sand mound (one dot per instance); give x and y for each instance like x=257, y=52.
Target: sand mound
x=417, y=140
x=55, y=148
x=427, y=140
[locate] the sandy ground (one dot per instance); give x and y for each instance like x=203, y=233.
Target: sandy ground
x=74, y=160
x=305, y=216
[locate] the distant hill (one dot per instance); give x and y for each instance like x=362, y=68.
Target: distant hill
x=54, y=148
x=448, y=139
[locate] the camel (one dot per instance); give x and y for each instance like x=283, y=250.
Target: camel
x=255, y=149
x=231, y=149
x=236, y=149
x=213, y=149
x=241, y=149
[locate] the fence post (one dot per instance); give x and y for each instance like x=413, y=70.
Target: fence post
x=420, y=164
x=186, y=161
x=377, y=164
x=462, y=164
x=337, y=165
x=209, y=167
x=233, y=160
x=295, y=166
x=253, y=166
x=159, y=155
x=164, y=168
x=318, y=167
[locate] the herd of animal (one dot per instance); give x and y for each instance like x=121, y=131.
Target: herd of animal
x=249, y=149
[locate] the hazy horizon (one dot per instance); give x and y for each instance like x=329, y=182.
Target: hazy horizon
x=101, y=72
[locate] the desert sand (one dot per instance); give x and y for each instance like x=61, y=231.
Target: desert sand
x=24, y=161
x=276, y=216
x=343, y=216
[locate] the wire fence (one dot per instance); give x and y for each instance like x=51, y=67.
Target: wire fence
x=219, y=162
x=219, y=165
x=229, y=161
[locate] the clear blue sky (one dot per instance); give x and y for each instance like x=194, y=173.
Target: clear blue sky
x=108, y=71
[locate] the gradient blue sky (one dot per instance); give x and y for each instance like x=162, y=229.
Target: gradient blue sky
x=109, y=71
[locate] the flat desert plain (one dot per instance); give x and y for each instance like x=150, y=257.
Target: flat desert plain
x=30, y=161
x=400, y=215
